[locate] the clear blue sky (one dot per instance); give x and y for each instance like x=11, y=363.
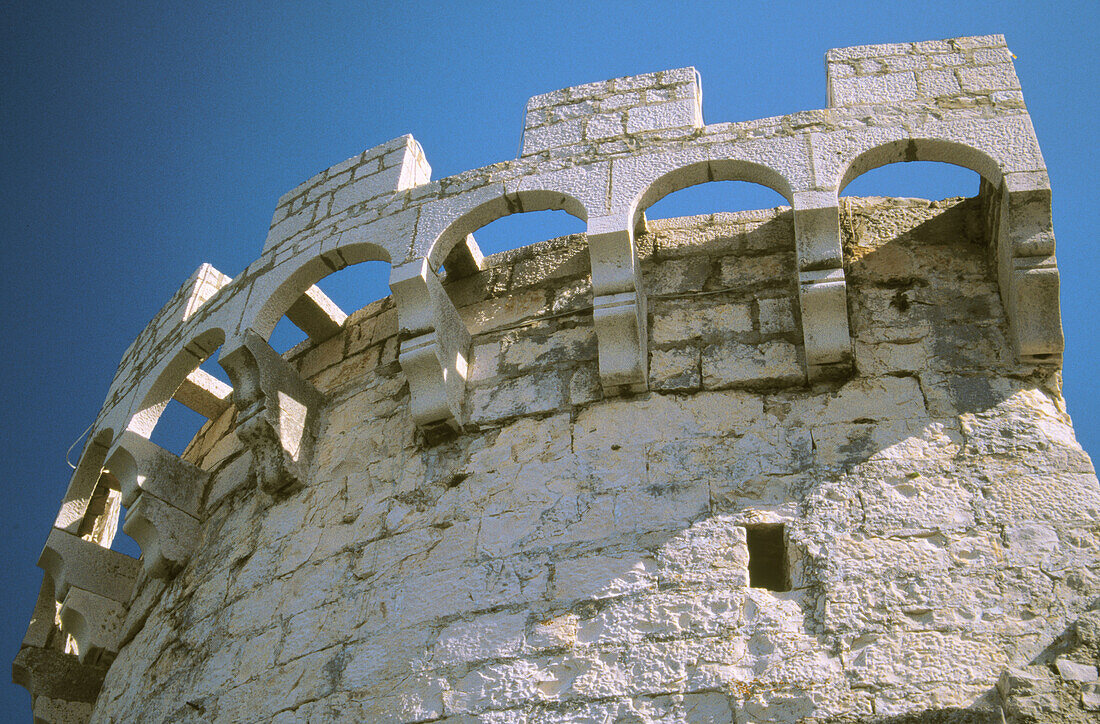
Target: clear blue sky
x=141, y=139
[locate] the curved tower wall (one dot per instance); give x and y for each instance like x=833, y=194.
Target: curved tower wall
x=805, y=464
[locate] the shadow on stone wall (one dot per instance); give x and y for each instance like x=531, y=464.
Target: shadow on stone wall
x=590, y=561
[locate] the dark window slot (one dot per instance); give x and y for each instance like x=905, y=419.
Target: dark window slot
x=768, y=557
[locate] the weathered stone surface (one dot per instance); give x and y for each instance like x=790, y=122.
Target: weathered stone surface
x=580, y=557
x=1074, y=671
x=535, y=489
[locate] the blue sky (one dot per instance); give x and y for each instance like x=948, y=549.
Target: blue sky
x=140, y=140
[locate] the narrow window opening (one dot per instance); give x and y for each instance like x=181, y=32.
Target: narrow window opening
x=768, y=557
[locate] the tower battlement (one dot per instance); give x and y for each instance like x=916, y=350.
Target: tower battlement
x=808, y=463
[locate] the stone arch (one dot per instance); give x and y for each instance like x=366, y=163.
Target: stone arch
x=82, y=485
x=497, y=207
x=156, y=396
x=302, y=273
x=692, y=174
x=921, y=149
x=1019, y=224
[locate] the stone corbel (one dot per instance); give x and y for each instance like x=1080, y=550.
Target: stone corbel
x=277, y=414
x=435, y=346
x=822, y=288
x=1028, y=274
x=141, y=466
x=161, y=493
x=619, y=306
x=60, y=678
x=166, y=534
x=61, y=688
x=61, y=711
x=94, y=585
x=72, y=561
x=94, y=622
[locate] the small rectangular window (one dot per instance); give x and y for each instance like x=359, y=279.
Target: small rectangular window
x=768, y=557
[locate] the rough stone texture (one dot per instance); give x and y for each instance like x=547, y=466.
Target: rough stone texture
x=577, y=562
x=553, y=551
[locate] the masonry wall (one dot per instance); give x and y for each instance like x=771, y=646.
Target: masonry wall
x=570, y=557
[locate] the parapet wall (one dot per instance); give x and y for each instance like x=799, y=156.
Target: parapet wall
x=528, y=490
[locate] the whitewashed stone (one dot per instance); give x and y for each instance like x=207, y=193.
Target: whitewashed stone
x=515, y=511
x=735, y=363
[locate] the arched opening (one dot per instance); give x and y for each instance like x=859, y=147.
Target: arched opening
x=190, y=392
x=530, y=224
x=524, y=252
x=708, y=173
x=331, y=316
x=922, y=287
x=518, y=230
x=77, y=515
x=449, y=248
x=92, y=508
x=343, y=293
x=718, y=265
x=922, y=149
x=103, y=519
x=932, y=180
x=715, y=197
x=515, y=266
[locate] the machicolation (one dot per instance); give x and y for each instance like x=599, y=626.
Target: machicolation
x=803, y=464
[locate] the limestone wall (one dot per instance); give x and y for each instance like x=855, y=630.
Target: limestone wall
x=583, y=559
x=803, y=464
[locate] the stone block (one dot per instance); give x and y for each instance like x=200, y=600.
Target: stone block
x=680, y=325
x=674, y=114
x=596, y=577
x=584, y=386
x=1090, y=697
x=1071, y=670
x=604, y=125
x=674, y=369
x=565, y=346
x=491, y=636
x=72, y=561
x=776, y=315
x=734, y=363
x=888, y=88
x=571, y=261
x=677, y=276
x=555, y=135
x=527, y=395
x=936, y=83
x=774, y=269
x=485, y=359
x=988, y=78
x=504, y=312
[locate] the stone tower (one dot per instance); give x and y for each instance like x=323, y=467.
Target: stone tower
x=806, y=464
